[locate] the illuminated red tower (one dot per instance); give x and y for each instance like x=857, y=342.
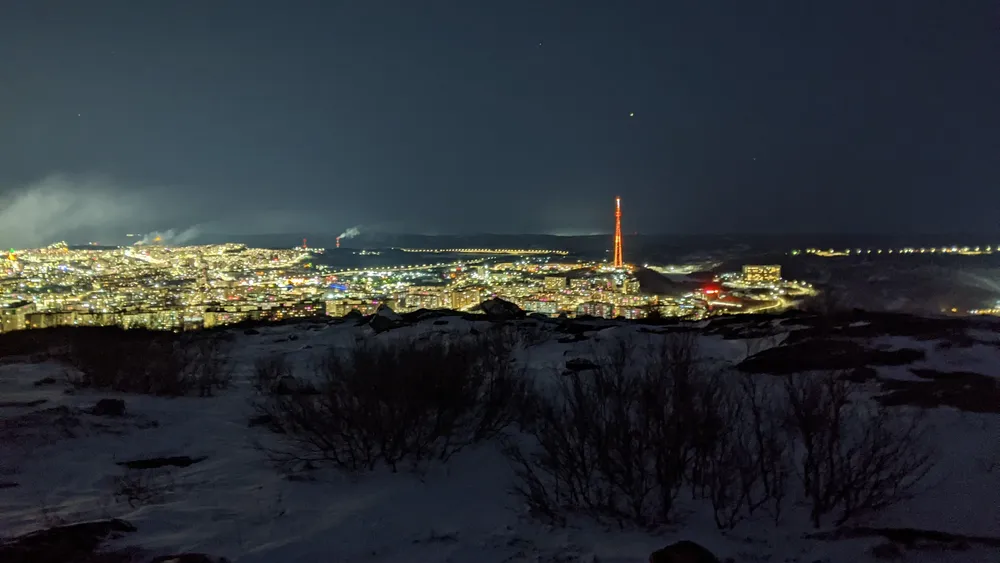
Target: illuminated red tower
x=304, y=244
x=619, y=260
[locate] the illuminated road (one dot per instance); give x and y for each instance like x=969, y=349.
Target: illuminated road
x=393, y=269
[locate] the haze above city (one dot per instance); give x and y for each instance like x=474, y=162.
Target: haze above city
x=512, y=117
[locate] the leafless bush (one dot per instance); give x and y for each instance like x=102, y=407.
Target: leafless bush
x=147, y=362
x=405, y=402
x=743, y=465
x=854, y=457
x=616, y=441
x=267, y=371
x=207, y=362
x=131, y=361
x=140, y=487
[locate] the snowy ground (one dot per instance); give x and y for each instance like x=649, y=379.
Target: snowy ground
x=61, y=467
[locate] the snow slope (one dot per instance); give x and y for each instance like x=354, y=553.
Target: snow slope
x=235, y=504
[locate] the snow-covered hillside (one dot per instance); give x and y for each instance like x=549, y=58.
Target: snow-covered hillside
x=217, y=492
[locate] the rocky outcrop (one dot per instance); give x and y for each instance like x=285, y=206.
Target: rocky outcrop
x=497, y=309
x=290, y=385
x=109, y=407
x=384, y=319
x=158, y=462
x=683, y=552
x=60, y=544
x=580, y=364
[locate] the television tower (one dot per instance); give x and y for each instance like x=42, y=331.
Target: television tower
x=619, y=259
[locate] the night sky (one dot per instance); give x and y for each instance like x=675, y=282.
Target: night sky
x=469, y=116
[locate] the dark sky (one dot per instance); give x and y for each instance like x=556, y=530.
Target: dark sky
x=462, y=116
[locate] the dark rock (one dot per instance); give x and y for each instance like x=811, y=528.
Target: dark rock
x=962, y=390
x=251, y=331
x=189, y=558
x=293, y=337
x=441, y=322
x=109, y=407
x=861, y=374
x=580, y=364
x=497, y=309
x=384, y=319
x=387, y=312
x=261, y=420
x=62, y=544
x=424, y=314
x=381, y=324
x=45, y=381
x=158, y=462
x=887, y=550
x=289, y=385
x=911, y=538
x=572, y=339
x=824, y=354
x=8, y=485
x=353, y=314
x=683, y=552
x=34, y=403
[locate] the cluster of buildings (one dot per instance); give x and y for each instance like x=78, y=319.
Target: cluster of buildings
x=167, y=288
x=187, y=288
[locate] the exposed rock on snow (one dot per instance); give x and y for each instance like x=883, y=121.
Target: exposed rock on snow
x=683, y=552
x=157, y=462
x=580, y=364
x=384, y=319
x=61, y=544
x=109, y=407
x=497, y=309
x=963, y=390
x=825, y=354
x=290, y=385
x=23, y=404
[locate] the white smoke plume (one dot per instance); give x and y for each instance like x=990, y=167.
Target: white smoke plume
x=58, y=205
x=170, y=237
x=350, y=233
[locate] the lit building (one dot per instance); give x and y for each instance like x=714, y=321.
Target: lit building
x=14, y=316
x=555, y=283
x=544, y=306
x=340, y=307
x=761, y=274
x=632, y=313
x=596, y=309
x=465, y=298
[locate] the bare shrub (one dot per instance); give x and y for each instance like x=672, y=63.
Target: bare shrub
x=207, y=363
x=744, y=464
x=140, y=487
x=615, y=441
x=147, y=362
x=854, y=457
x=131, y=361
x=404, y=402
x=267, y=371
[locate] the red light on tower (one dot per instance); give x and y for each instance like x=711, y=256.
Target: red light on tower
x=619, y=260
x=304, y=244
x=338, y=242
